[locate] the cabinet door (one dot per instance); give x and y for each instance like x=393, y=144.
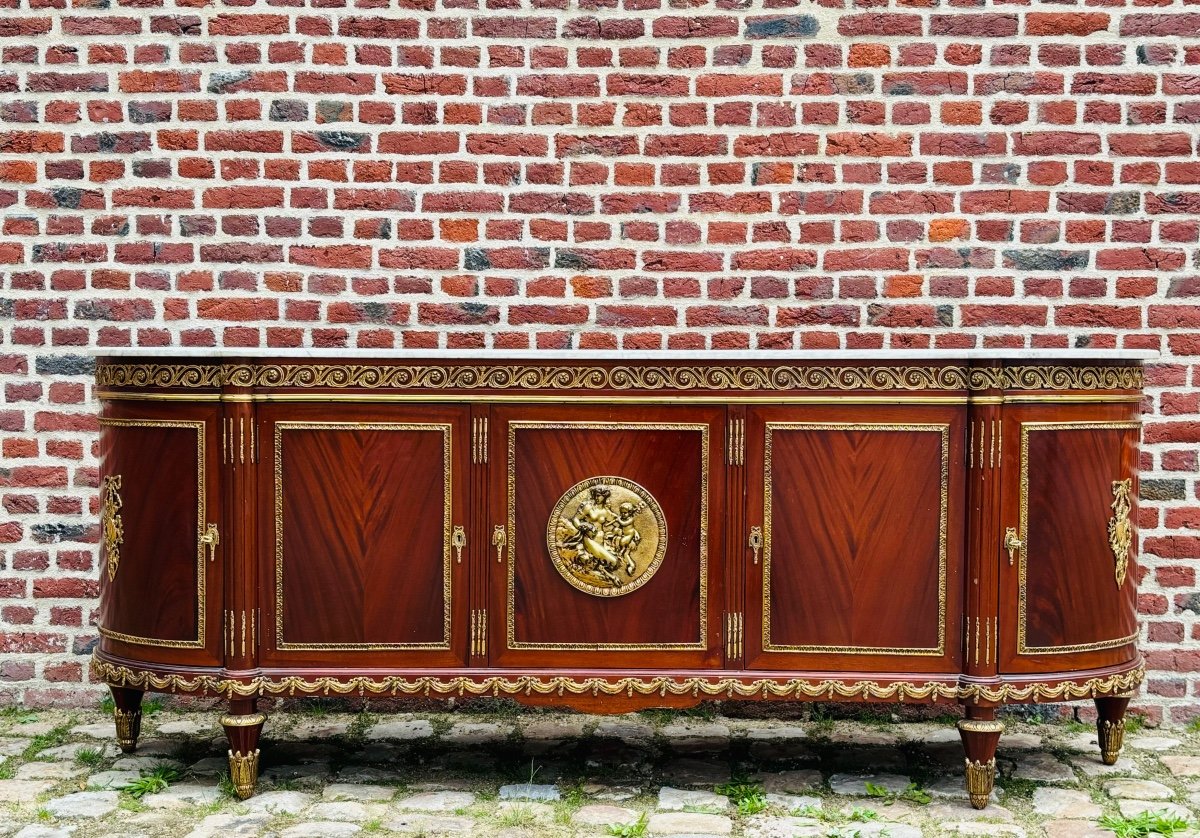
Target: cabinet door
x=607, y=521
x=359, y=543
x=861, y=554
x=160, y=595
x=1067, y=597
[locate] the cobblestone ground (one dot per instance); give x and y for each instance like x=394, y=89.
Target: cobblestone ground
x=495, y=771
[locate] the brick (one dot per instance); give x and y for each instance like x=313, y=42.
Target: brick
x=1160, y=144
x=1056, y=143
x=780, y=26
x=869, y=144
x=379, y=28
x=1126, y=84
x=880, y=23
x=1186, y=25
x=1065, y=23
x=159, y=81
x=965, y=24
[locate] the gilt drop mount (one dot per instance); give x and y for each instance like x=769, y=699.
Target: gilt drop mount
x=607, y=536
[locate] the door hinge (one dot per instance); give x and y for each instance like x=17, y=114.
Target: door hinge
x=987, y=447
x=479, y=631
x=735, y=442
x=980, y=635
x=735, y=646
x=479, y=432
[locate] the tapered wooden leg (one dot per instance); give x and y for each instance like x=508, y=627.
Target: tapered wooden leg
x=127, y=715
x=1110, y=726
x=980, y=733
x=243, y=727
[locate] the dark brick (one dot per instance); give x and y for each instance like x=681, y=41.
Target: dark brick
x=341, y=140
x=1046, y=260
x=1163, y=490
x=783, y=26
x=476, y=260
x=65, y=365
x=288, y=110
x=67, y=197
x=49, y=533
x=221, y=81
x=571, y=261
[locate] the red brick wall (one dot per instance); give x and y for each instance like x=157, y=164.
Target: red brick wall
x=593, y=174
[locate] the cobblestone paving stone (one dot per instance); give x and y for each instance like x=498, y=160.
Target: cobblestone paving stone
x=489, y=769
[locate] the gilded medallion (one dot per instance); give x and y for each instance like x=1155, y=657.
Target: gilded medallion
x=607, y=536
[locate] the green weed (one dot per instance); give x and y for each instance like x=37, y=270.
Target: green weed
x=89, y=756
x=516, y=816
x=748, y=797
x=152, y=781
x=225, y=784
x=637, y=829
x=914, y=794
x=1143, y=824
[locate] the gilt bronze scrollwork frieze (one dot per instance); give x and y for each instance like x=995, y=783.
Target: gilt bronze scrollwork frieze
x=646, y=377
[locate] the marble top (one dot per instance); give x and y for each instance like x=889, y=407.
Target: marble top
x=700, y=355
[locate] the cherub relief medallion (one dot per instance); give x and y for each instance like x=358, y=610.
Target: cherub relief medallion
x=607, y=536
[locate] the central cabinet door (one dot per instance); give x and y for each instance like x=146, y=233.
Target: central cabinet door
x=856, y=513
x=365, y=522
x=605, y=526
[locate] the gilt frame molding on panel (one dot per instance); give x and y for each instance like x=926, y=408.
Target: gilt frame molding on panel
x=1023, y=523
x=447, y=431
x=943, y=429
x=199, y=426
x=511, y=524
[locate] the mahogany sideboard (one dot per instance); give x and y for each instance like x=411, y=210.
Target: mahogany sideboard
x=617, y=531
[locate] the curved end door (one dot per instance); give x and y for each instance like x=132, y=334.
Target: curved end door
x=1068, y=595
x=160, y=584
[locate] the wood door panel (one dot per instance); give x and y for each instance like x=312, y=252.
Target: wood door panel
x=362, y=517
x=861, y=557
x=1062, y=593
x=159, y=592
x=664, y=616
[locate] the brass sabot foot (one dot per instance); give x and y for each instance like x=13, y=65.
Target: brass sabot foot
x=1112, y=737
x=981, y=779
x=129, y=725
x=243, y=773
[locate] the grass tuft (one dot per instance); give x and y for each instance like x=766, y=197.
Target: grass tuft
x=1145, y=823
x=152, y=781
x=914, y=794
x=91, y=757
x=637, y=829
x=748, y=797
